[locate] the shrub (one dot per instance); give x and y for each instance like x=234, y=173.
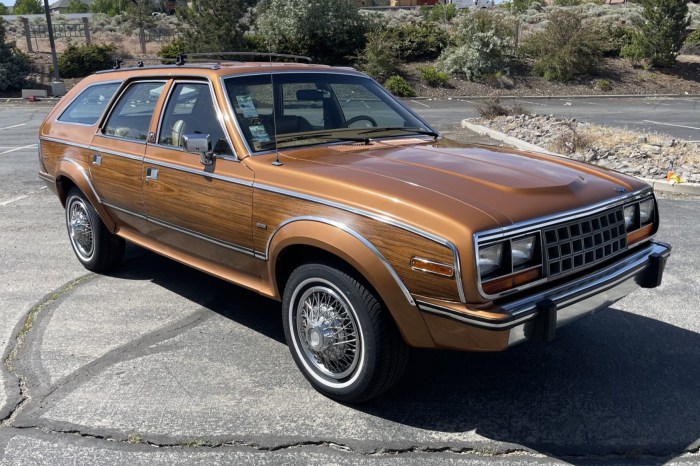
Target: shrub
x=203, y=34
x=565, y=48
x=79, y=61
x=691, y=46
x=423, y=41
x=492, y=107
x=659, y=34
x=603, y=84
x=172, y=49
x=439, y=12
x=380, y=56
x=14, y=65
x=330, y=31
x=432, y=77
x=399, y=87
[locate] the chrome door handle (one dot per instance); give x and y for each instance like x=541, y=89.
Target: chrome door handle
x=151, y=174
x=96, y=159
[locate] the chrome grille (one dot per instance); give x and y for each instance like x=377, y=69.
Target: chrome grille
x=578, y=244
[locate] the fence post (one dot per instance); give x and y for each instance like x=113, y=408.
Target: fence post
x=142, y=39
x=86, y=27
x=27, y=34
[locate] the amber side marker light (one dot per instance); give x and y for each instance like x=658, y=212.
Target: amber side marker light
x=436, y=268
x=511, y=281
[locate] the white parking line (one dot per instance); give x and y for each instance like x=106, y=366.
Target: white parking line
x=18, y=148
x=13, y=126
x=420, y=103
x=19, y=198
x=671, y=124
x=531, y=103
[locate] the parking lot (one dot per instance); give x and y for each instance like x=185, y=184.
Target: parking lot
x=158, y=363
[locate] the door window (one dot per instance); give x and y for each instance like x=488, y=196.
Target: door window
x=131, y=116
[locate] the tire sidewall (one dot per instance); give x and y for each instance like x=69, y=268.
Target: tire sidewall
x=317, y=274
x=73, y=198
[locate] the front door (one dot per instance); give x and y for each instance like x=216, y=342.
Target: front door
x=204, y=210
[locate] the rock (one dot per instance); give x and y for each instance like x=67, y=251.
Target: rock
x=642, y=140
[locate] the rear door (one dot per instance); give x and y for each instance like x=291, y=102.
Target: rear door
x=117, y=151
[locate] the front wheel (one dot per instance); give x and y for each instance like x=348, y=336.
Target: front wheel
x=340, y=337
x=94, y=246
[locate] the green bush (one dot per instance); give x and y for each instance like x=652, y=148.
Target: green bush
x=380, y=56
x=691, y=46
x=329, y=31
x=399, y=87
x=432, y=77
x=83, y=60
x=172, y=49
x=14, y=65
x=565, y=48
x=659, y=34
x=422, y=41
x=439, y=12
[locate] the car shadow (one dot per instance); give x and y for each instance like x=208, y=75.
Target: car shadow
x=615, y=383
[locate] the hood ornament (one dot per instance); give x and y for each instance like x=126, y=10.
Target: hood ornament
x=620, y=189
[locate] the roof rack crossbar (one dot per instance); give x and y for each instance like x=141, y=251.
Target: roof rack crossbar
x=181, y=58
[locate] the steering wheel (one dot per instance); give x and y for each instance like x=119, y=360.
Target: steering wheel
x=357, y=118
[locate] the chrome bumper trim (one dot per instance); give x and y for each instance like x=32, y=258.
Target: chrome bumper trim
x=574, y=299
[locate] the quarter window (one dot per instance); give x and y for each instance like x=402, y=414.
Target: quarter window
x=132, y=114
x=88, y=107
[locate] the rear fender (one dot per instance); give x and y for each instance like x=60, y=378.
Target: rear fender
x=71, y=170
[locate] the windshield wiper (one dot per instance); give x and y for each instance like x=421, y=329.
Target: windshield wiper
x=321, y=136
x=401, y=129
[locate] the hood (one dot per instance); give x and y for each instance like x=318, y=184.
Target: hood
x=506, y=185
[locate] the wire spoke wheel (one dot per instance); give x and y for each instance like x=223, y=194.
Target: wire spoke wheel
x=80, y=229
x=328, y=332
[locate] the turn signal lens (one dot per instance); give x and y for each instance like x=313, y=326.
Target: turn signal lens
x=424, y=265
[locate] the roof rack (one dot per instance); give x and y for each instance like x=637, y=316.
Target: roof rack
x=180, y=60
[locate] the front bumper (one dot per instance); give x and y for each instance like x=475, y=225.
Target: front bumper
x=538, y=315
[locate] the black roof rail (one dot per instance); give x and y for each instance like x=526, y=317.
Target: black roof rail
x=268, y=55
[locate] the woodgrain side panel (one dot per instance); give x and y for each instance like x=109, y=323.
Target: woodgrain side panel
x=397, y=245
x=52, y=152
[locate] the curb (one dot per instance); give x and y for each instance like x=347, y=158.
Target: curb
x=661, y=186
x=42, y=101
x=548, y=97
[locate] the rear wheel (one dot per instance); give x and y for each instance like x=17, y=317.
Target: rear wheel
x=340, y=337
x=94, y=246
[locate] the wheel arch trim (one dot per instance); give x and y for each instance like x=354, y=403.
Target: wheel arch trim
x=76, y=173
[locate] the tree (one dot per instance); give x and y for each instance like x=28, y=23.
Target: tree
x=660, y=31
x=139, y=17
x=108, y=7
x=215, y=25
x=76, y=6
x=28, y=7
x=14, y=65
x=3, y=10
x=329, y=31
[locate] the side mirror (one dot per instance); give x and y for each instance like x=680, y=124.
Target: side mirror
x=199, y=144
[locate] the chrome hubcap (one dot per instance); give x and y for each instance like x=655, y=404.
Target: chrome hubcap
x=80, y=229
x=328, y=332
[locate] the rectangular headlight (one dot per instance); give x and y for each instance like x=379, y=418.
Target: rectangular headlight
x=490, y=258
x=630, y=216
x=646, y=211
x=522, y=249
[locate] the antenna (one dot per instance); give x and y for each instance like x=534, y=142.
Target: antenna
x=277, y=162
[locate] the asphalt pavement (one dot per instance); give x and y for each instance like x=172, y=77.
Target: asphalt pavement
x=160, y=364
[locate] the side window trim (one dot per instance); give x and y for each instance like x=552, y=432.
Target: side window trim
x=84, y=91
x=217, y=111
x=115, y=100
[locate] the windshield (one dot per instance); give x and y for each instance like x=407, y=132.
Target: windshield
x=312, y=108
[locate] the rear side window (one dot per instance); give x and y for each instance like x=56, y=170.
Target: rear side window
x=131, y=116
x=88, y=107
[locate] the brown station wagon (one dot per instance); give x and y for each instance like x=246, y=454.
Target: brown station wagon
x=314, y=186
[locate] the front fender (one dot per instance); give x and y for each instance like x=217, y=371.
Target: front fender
x=339, y=240
x=72, y=171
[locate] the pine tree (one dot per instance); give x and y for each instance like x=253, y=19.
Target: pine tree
x=214, y=25
x=14, y=65
x=659, y=35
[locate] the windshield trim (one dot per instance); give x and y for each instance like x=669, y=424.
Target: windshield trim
x=336, y=71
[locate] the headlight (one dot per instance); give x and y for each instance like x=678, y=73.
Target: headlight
x=646, y=211
x=522, y=249
x=630, y=214
x=490, y=258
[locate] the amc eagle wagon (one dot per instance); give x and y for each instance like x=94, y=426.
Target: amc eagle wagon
x=314, y=186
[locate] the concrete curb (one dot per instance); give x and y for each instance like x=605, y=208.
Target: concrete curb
x=46, y=101
x=582, y=96
x=661, y=186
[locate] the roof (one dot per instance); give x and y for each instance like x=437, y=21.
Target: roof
x=65, y=3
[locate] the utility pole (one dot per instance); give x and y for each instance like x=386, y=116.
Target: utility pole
x=58, y=88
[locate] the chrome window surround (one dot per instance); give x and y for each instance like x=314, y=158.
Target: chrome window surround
x=536, y=225
x=217, y=110
x=99, y=118
x=345, y=72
